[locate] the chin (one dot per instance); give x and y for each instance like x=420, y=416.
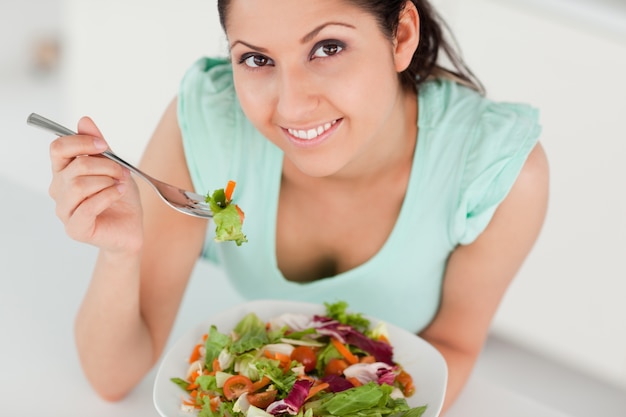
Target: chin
x=316, y=168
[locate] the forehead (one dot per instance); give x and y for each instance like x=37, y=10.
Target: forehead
x=288, y=17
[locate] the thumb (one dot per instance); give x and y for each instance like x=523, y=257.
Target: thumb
x=86, y=126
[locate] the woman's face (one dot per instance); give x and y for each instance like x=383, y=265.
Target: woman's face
x=317, y=78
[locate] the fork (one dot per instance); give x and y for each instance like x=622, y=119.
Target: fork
x=184, y=201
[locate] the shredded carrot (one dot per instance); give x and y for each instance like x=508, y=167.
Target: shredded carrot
x=192, y=387
x=383, y=338
x=191, y=403
x=194, y=376
x=317, y=388
x=195, y=355
x=228, y=192
x=285, y=360
x=344, y=351
x=354, y=381
x=368, y=359
x=282, y=357
x=260, y=384
x=215, y=403
x=215, y=366
x=406, y=381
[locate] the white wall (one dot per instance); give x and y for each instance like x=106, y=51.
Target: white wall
x=23, y=89
x=125, y=58
x=568, y=300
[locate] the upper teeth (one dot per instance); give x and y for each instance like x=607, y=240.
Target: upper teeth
x=311, y=133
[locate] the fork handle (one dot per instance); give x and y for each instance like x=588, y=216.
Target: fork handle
x=39, y=121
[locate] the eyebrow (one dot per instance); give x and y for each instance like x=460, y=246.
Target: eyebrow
x=306, y=38
x=318, y=29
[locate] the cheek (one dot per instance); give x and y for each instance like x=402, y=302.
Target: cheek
x=370, y=92
x=254, y=100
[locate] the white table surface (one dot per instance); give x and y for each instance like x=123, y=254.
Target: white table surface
x=43, y=276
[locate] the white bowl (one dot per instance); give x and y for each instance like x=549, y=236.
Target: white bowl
x=420, y=359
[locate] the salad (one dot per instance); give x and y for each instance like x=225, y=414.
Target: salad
x=335, y=364
x=228, y=217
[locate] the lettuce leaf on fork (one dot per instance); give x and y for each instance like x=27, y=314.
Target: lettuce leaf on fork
x=228, y=217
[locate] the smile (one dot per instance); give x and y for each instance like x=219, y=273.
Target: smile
x=310, y=134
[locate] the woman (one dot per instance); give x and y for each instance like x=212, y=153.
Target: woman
x=368, y=173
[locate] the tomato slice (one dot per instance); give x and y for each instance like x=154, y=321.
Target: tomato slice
x=235, y=386
x=242, y=215
x=306, y=356
x=335, y=367
x=262, y=399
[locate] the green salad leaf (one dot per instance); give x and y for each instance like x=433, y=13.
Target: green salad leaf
x=228, y=218
x=207, y=382
x=215, y=343
x=283, y=381
x=339, y=312
x=181, y=383
x=249, y=333
x=369, y=400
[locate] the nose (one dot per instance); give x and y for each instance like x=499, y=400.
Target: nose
x=297, y=95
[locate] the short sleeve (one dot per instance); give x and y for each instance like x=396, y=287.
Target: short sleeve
x=504, y=136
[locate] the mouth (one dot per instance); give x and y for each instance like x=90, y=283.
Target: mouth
x=312, y=133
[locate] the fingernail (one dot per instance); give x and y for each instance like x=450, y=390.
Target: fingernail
x=99, y=144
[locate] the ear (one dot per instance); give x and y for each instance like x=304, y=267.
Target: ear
x=407, y=36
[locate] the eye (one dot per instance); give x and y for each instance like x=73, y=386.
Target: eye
x=255, y=60
x=327, y=49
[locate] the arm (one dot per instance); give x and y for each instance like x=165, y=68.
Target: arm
x=478, y=274
x=134, y=295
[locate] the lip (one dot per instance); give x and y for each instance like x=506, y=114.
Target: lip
x=309, y=143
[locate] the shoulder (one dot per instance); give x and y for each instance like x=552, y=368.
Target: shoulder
x=207, y=101
x=483, y=144
x=207, y=84
x=212, y=73
x=479, y=131
x=456, y=108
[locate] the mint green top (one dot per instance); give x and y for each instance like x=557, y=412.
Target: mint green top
x=469, y=152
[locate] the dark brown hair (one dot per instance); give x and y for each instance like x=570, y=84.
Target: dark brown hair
x=436, y=39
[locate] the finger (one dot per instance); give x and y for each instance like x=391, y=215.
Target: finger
x=81, y=223
x=84, y=165
x=86, y=126
x=66, y=148
x=69, y=184
x=69, y=196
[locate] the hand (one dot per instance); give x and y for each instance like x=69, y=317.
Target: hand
x=96, y=199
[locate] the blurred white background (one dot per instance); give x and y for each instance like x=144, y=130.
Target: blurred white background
x=121, y=61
